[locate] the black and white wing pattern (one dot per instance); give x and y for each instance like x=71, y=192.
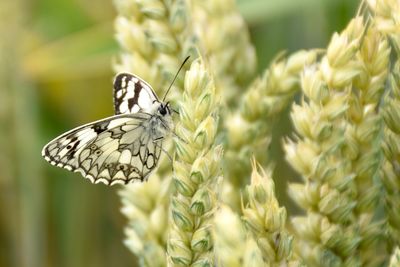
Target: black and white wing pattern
x=132, y=94
x=118, y=149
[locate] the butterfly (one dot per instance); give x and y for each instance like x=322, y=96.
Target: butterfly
x=122, y=148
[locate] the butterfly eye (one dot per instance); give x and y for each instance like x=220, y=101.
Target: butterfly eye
x=69, y=147
x=163, y=110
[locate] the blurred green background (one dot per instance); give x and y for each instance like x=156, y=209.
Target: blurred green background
x=55, y=74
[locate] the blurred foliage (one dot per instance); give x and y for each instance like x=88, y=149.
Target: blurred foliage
x=55, y=73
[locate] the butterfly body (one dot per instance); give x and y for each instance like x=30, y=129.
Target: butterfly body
x=121, y=148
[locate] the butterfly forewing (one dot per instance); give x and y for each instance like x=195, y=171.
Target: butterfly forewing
x=117, y=149
x=132, y=94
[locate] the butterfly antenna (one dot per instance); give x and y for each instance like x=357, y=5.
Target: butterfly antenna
x=176, y=75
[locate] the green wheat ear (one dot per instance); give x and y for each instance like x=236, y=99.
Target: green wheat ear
x=326, y=193
x=385, y=19
x=146, y=207
x=196, y=172
x=364, y=138
x=233, y=245
x=395, y=259
x=249, y=127
x=266, y=221
x=152, y=48
x=391, y=148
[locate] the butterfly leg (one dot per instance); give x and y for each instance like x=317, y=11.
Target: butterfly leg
x=166, y=153
x=180, y=138
x=155, y=141
x=177, y=112
x=173, y=133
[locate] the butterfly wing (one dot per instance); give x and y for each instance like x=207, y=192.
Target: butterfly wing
x=118, y=149
x=132, y=94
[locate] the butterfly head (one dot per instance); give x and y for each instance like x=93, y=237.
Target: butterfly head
x=162, y=121
x=163, y=109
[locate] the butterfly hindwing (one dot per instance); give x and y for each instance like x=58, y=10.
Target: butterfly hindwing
x=132, y=94
x=118, y=149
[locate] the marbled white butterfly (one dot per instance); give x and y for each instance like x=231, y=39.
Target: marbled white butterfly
x=119, y=149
